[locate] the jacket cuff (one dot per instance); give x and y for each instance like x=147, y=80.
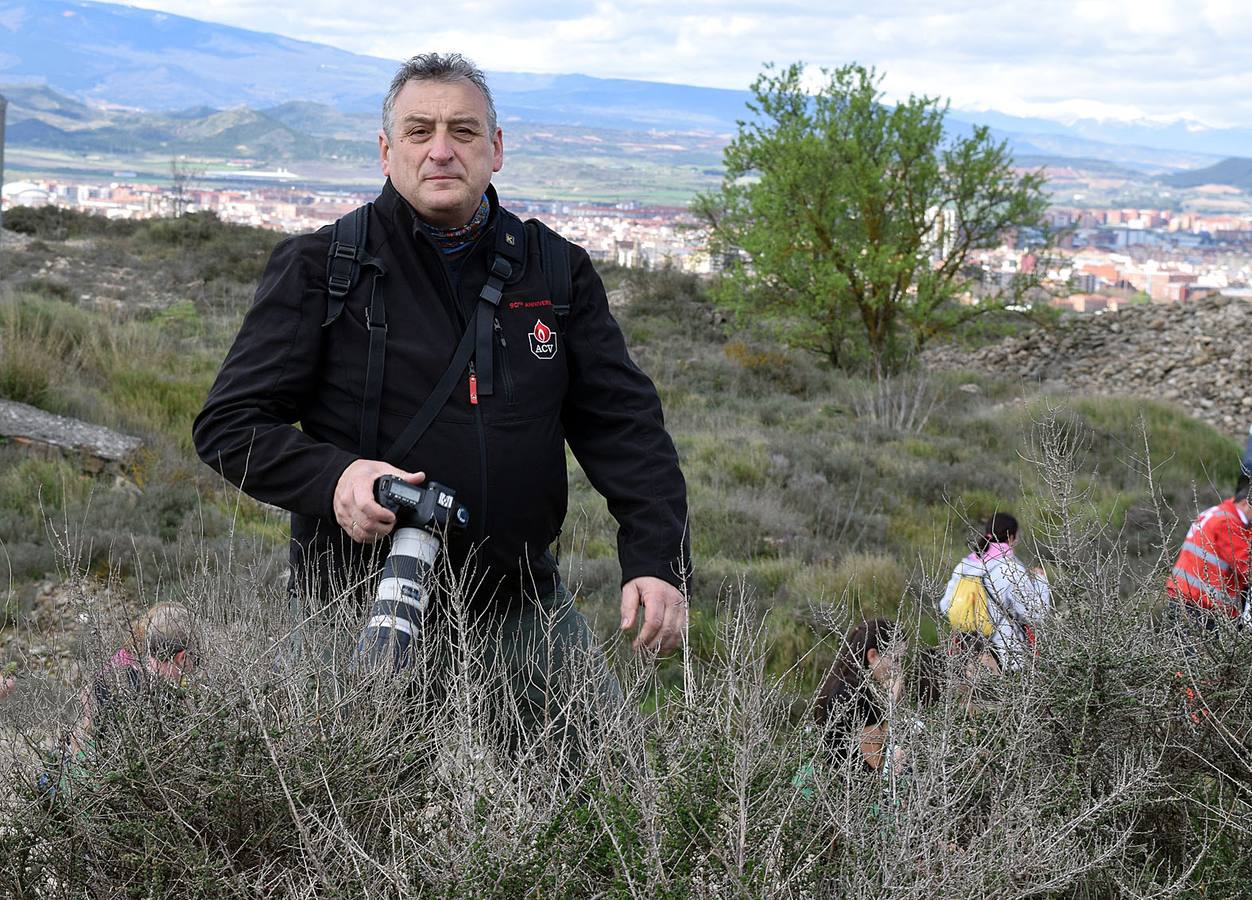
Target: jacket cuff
x=331, y=474
x=665, y=573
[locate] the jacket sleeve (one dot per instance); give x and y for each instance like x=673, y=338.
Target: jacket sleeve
x=246, y=429
x=1026, y=596
x=614, y=424
x=1231, y=540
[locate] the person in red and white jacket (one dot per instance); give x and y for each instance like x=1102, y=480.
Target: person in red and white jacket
x=1210, y=579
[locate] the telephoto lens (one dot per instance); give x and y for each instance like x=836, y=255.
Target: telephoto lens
x=423, y=514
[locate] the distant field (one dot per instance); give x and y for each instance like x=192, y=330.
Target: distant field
x=583, y=178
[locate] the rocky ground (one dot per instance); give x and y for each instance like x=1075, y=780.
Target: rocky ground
x=1194, y=354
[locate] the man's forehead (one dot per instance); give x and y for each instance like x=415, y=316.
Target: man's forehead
x=460, y=99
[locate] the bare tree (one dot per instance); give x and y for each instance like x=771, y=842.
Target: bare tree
x=183, y=178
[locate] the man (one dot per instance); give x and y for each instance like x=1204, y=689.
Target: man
x=1209, y=581
x=434, y=231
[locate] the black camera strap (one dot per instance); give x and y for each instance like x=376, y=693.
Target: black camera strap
x=477, y=342
x=436, y=399
x=347, y=256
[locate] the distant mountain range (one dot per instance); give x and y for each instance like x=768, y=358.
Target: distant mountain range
x=152, y=61
x=1059, y=138
x=107, y=78
x=42, y=118
x=1235, y=172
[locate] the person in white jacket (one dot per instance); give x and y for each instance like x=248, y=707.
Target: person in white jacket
x=1017, y=599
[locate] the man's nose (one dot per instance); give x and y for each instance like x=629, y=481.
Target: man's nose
x=441, y=146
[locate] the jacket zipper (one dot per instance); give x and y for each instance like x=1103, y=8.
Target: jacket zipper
x=505, y=375
x=455, y=296
x=482, y=453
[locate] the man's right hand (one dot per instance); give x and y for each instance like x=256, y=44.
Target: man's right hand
x=356, y=510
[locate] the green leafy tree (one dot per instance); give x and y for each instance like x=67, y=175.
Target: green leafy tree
x=847, y=224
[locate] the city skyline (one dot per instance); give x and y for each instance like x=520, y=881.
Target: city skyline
x=1147, y=61
x=1105, y=257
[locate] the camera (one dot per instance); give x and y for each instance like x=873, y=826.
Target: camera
x=424, y=512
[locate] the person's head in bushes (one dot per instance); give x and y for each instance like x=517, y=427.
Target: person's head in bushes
x=872, y=678
x=163, y=641
x=158, y=652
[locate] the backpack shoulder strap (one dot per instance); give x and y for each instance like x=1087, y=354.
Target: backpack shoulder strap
x=554, y=260
x=345, y=257
x=508, y=259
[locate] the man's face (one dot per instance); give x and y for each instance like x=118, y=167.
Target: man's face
x=441, y=154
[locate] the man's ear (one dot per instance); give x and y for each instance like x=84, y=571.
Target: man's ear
x=180, y=659
x=871, y=657
x=384, y=154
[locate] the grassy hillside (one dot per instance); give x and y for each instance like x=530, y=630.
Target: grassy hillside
x=816, y=499
x=49, y=134
x=815, y=487
x=811, y=486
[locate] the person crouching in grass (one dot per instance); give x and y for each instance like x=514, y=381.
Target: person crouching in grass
x=138, y=689
x=864, y=704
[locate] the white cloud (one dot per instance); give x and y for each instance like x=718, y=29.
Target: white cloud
x=1156, y=59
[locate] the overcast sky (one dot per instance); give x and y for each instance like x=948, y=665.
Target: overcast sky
x=1063, y=59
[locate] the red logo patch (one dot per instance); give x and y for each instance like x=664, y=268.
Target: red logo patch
x=542, y=341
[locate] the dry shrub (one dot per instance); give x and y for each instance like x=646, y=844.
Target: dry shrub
x=901, y=403
x=770, y=367
x=1115, y=765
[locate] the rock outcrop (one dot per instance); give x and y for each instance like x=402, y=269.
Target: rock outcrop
x=45, y=432
x=1198, y=355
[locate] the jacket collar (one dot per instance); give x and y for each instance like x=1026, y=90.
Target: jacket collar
x=992, y=553
x=396, y=209
x=1233, y=509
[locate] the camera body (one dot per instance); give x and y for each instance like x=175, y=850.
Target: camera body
x=430, y=506
x=423, y=512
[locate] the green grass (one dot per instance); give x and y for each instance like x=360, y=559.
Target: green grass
x=31, y=487
x=791, y=491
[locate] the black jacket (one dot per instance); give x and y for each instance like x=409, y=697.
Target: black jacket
x=505, y=457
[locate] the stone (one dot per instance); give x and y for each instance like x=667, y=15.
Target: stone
x=42, y=431
x=1192, y=355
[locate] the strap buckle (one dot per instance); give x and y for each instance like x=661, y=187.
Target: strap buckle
x=373, y=325
x=340, y=250
x=501, y=268
x=490, y=294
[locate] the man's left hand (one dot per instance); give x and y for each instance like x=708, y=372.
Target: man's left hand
x=664, y=613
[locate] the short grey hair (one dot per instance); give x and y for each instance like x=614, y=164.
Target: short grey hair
x=435, y=67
